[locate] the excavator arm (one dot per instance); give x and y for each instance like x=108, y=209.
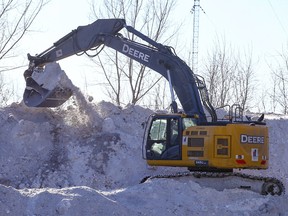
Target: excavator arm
x=104, y=32
x=79, y=40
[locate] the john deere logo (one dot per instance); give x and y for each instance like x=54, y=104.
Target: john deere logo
x=244, y=138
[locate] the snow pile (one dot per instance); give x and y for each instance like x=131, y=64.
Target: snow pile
x=86, y=159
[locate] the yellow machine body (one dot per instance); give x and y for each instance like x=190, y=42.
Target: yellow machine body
x=222, y=146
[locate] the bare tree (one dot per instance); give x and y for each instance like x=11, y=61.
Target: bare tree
x=244, y=83
x=268, y=100
x=126, y=78
x=273, y=94
x=7, y=91
x=280, y=77
x=157, y=97
x=283, y=91
x=219, y=71
x=16, y=18
x=230, y=78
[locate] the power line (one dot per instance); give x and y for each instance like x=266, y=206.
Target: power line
x=277, y=17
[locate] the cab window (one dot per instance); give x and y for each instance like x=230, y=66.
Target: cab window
x=188, y=122
x=164, y=139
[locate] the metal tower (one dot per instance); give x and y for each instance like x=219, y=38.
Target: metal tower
x=195, y=10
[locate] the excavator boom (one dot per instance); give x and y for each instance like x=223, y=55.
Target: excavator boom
x=105, y=32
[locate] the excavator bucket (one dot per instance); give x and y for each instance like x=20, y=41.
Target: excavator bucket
x=47, y=87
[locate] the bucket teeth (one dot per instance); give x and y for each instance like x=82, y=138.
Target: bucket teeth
x=45, y=88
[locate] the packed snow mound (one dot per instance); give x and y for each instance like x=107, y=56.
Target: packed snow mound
x=86, y=159
x=71, y=147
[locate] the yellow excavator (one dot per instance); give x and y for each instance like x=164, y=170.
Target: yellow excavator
x=187, y=138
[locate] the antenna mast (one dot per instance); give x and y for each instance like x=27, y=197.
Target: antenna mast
x=195, y=10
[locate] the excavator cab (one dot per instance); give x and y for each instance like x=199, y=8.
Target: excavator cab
x=163, y=135
x=46, y=86
x=163, y=138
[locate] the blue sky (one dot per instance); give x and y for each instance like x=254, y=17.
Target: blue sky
x=260, y=25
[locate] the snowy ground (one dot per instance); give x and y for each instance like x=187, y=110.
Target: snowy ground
x=86, y=159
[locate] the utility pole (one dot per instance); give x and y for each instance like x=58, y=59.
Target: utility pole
x=196, y=11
